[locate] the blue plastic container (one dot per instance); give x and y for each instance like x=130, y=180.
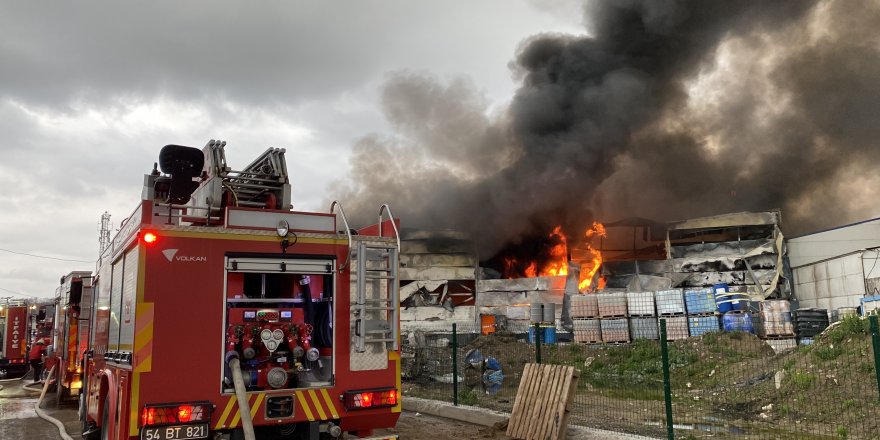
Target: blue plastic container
x=700, y=301
x=738, y=322
x=548, y=335
x=728, y=301
x=700, y=325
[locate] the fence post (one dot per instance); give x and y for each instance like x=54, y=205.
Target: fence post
x=537, y=343
x=667, y=388
x=875, y=340
x=454, y=366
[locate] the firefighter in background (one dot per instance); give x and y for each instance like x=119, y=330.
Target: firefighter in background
x=36, y=358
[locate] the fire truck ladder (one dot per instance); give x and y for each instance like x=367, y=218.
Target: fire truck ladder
x=266, y=174
x=378, y=291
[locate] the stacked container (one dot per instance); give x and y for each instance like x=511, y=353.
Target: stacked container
x=612, y=305
x=737, y=322
x=733, y=306
x=670, y=306
x=676, y=327
x=543, y=314
x=587, y=331
x=585, y=314
x=702, y=310
x=612, y=309
x=700, y=325
x=700, y=301
x=772, y=319
x=643, y=315
x=729, y=301
x=615, y=330
x=670, y=302
x=584, y=306
x=808, y=323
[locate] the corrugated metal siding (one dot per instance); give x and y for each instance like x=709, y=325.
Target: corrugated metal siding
x=811, y=248
x=831, y=284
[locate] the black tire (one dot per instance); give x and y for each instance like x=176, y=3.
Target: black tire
x=84, y=421
x=105, y=418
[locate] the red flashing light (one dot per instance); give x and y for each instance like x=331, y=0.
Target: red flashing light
x=184, y=413
x=370, y=399
x=172, y=414
x=148, y=417
x=150, y=237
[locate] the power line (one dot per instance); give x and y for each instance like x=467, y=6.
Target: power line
x=16, y=293
x=48, y=258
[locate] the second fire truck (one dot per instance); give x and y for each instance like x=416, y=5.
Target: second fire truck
x=219, y=312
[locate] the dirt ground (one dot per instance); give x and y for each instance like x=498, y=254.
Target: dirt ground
x=422, y=426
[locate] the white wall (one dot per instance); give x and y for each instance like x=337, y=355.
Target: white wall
x=835, y=283
x=828, y=244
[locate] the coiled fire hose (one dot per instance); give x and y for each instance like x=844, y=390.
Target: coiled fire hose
x=47, y=417
x=247, y=424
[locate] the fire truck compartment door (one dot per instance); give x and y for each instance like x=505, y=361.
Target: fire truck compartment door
x=279, y=265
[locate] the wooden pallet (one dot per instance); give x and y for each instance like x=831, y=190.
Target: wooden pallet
x=543, y=402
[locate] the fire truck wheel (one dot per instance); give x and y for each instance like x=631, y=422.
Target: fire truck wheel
x=105, y=418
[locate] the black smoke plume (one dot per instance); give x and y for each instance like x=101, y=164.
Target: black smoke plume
x=666, y=110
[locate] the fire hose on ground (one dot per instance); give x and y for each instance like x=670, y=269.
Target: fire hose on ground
x=247, y=424
x=61, y=430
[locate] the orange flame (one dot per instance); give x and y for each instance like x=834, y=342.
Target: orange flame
x=558, y=265
x=591, y=266
x=590, y=258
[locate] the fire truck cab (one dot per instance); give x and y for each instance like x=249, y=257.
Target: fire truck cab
x=219, y=312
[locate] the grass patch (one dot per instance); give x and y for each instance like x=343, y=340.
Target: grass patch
x=803, y=380
x=828, y=352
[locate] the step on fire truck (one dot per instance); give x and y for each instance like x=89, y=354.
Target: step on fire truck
x=219, y=312
x=74, y=300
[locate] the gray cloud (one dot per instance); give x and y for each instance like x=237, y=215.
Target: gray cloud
x=90, y=91
x=668, y=109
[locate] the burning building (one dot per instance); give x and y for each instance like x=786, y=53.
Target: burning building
x=743, y=250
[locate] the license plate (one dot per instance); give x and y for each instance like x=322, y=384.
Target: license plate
x=180, y=432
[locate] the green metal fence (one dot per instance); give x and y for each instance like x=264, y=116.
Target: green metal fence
x=717, y=385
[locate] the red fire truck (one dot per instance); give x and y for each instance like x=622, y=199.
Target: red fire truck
x=220, y=312
x=73, y=298
x=14, y=339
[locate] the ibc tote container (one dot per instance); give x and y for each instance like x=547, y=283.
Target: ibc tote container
x=644, y=328
x=615, y=330
x=700, y=325
x=670, y=302
x=738, y=322
x=584, y=306
x=536, y=312
x=676, y=328
x=700, y=301
x=587, y=330
x=773, y=318
x=612, y=305
x=640, y=303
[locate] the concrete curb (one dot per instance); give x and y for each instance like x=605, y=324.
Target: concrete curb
x=487, y=417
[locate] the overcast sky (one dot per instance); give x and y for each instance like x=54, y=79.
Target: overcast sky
x=90, y=91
